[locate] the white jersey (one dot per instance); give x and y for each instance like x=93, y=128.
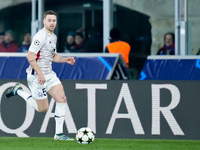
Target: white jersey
x=44, y=46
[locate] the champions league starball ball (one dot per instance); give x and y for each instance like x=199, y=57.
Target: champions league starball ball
x=85, y=136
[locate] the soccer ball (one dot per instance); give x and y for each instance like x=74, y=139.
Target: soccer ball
x=85, y=135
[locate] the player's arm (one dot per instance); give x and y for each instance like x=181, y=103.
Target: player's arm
x=37, y=43
x=58, y=59
x=34, y=65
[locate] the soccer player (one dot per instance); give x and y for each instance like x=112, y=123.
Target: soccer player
x=40, y=76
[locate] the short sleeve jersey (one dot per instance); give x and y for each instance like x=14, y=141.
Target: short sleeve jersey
x=44, y=46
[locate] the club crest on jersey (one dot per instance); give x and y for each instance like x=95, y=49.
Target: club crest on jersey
x=36, y=42
x=40, y=94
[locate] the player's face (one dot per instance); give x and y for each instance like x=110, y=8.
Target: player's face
x=50, y=22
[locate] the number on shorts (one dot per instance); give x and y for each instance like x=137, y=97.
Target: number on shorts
x=44, y=91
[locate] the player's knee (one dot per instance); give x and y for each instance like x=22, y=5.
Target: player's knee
x=43, y=110
x=63, y=99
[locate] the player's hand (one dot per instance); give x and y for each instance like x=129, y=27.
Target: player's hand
x=41, y=79
x=70, y=60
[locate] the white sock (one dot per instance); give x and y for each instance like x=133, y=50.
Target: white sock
x=59, y=117
x=28, y=98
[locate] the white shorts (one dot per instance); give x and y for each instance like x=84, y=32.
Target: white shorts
x=39, y=91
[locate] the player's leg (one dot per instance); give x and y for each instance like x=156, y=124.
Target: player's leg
x=39, y=94
x=41, y=105
x=17, y=90
x=57, y=92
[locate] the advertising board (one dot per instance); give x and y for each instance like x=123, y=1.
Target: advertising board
x=112, y=109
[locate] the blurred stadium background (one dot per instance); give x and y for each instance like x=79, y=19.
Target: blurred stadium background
x=143, y=24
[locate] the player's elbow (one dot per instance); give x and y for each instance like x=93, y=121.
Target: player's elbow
x=30, y=56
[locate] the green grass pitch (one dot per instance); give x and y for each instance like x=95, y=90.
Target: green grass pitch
x=15, y=143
